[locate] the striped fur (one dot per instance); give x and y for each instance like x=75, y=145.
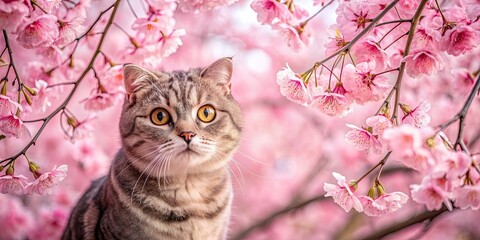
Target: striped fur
x=159, y=185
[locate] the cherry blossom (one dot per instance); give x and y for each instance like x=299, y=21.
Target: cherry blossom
x=335, y=40
x=417, y=117
x=472, y=7
x=292, y=86
x=170, y=43
x=384, y=204
x=431, y=194
x=354, y=16
x=363, y=139
x=42, y=99
x=423, y=63
x=271, y=11
x=296, y=37
x=80, y=129
x=7, y=106
x=15, y=217
x=363, y=85
x=333, y=103
x=12, y=126
x=343, y=193
x=102, y=100
x=69, y=31
x=467, y=196
x=152, y=26
x=201, y=5
x=378, y=124
x=11, y=14
x=12, y=184
x=44, y=183
x=462, y=39
x=369, y=51
x=39, y=32
x=462, y=80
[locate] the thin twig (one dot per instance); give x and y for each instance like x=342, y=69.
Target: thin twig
x=411, y=31
x=361, y=34
x=318, y=12
x=273, y=216
x=75, y=86
x=405, y=224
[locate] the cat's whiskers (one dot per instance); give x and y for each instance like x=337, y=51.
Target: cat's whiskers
x=130, y=163
x=217, y=157
x=138, y=179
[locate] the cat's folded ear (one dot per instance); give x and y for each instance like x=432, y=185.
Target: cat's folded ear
x=221, y=72
x=136, y=78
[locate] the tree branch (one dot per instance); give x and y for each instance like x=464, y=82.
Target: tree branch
x=70, y=95
x=274, y=215
x=405, y=224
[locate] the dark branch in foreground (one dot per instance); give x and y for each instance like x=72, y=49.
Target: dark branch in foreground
x=405, y=224
x=273, y=216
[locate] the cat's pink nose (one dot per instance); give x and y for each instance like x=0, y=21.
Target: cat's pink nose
x=187, y=136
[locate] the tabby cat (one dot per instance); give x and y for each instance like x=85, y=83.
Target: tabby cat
x=170, y=179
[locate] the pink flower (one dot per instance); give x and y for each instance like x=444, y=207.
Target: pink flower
x=459, y=40
x=12, y=184
x=201, y=5
x=407, y=7
x=39, y=32
x=69, y=31
x=102, y=100
x=343, y=193
x=354, y=16
x=369, y=51
x=408, y=143
x=363, y=85
x=45, y=182
x=417, y=117
x=467, y=196
x=452, y=165
x=462, y=80
x=16, y=220
x=472, y=7
x=42, y=99
x=161, y=7
x=271, y=11
x=12, y=14
x=169, y=44
x=385, y=204
x=423, y=62
x=52, y=224
x=378, y=124
x=80, y=129
x=335, y=40
x=363, y=139
x=292, y=87
x=7, y=106
x=333, y=103
x=430, y=194
x=296, y=37
x=152, y=26
x=11, y=125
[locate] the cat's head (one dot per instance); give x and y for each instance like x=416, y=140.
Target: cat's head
x=181, y=121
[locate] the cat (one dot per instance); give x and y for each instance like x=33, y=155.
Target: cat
x=170, y=178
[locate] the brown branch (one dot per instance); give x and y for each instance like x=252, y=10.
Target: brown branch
x=274, y=215
x=408, y=44
x=361, y=34
x=47, y=119
x=426, y=215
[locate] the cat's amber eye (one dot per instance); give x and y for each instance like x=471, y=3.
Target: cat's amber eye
x=206, y=113
x=160, y=116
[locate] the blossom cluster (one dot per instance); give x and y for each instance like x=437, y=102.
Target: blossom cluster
x=373, y=43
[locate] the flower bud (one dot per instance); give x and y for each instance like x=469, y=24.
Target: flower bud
x=72, y=122
x=353, y=184
x=4, y=88
x=10, y=170
x=27, y=97
x=30, y=90
x=405, y=108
